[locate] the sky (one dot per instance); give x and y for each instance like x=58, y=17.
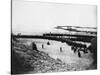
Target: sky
x=30, y=16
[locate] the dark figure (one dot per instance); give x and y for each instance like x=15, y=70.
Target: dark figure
x=85, y=50
x=48, y=43
x=72, y=48
x=42, y=46
x=75, y=49
x=79, y=54
x=34, y=47
x=60, y=49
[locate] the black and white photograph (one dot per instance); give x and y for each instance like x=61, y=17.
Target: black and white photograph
x=51, y=37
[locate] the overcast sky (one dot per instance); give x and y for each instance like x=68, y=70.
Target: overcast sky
x=30, y=16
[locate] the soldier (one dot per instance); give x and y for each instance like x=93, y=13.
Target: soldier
x=60, y=49
x=72, y=48
x=79, y=54
x=42, y=46
x=34, y=47
x=85, y=50
x=75, y=50
x=48, y=43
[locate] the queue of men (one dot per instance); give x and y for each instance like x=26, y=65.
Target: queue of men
x=77, y=47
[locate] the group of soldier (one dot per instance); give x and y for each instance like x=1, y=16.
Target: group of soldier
x=34, y=47
x=48, y=43
x=77, y=47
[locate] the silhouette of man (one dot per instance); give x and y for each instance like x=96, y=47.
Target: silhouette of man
x=48, y=43
x=42, y=46
x=60, y=49
x=34, y=47
x=79, y=54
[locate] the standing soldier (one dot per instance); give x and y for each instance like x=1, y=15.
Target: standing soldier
x=79, y=54
x=34, y=47
x=42, y=46
x=60, y=49
x=75, y=49
x=48, y=43
x=85, y=49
